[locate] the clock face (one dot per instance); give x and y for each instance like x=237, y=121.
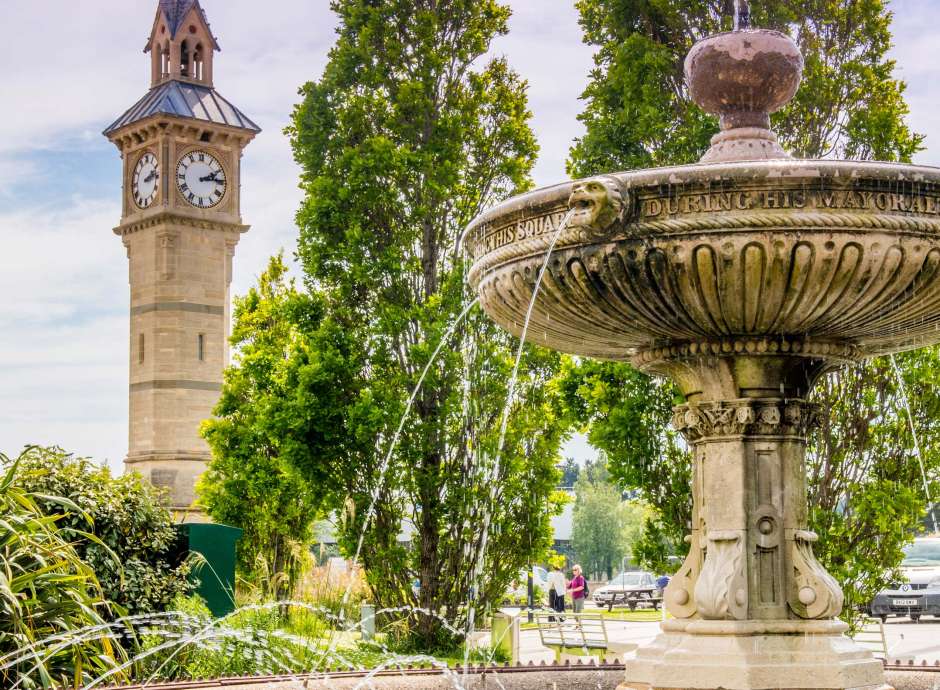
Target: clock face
x=200, y=179
x=144, y=182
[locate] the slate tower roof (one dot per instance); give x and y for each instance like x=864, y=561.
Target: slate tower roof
x=184, y=99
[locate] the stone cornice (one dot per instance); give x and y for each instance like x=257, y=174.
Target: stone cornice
x=766, y=346
x=152, y=128
x=168, y=217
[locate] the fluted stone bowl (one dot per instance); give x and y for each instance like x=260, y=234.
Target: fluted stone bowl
x=838, y=260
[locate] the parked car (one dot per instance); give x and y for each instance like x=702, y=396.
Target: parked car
x=632, y=589
x=520, y=586
x=918, y=593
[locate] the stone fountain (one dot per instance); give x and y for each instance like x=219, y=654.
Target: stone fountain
x=743, y=278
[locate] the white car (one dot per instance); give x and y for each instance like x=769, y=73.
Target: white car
x=631, y=589
x=520, y=587
x=919, y=591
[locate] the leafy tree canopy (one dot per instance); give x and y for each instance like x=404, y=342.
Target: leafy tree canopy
x=638, y=113
x=266, y=425
x=605, y=527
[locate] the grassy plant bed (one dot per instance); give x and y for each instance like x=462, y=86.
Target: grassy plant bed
x=273, y=640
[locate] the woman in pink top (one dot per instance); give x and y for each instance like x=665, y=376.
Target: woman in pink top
x=576, y=588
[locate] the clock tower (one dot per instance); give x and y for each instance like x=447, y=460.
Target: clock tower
x=181, y=145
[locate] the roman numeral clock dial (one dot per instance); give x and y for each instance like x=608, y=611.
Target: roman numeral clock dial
x=200, y=178
x=144, y=180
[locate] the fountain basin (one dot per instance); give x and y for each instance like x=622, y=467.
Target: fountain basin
x=822, y=259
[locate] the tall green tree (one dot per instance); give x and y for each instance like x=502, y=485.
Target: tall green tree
x=596, y=528
x=866, y=489
x=569, y=472
x=410, y=132
x=638, y=114
x=605, y=527
x=250, y=482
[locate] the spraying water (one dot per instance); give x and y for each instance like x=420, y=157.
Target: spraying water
x=910, y=421
x=742, y=15
x=383, y=468
x=510, y=399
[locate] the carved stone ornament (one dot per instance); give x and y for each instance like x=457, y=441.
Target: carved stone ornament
x=679, y=593
x=598, y=205
x=745, y=417
x=814, y=593
x=721, y=589
x=743, y=77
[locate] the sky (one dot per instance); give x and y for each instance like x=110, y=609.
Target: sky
x=73, y=66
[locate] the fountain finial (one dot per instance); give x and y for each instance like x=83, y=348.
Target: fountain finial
x=743, y=77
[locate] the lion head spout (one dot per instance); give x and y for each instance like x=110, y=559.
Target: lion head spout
x=597, y=205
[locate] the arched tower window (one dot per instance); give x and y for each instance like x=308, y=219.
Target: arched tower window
x=199, y=63
x=185, y=59
x=165, y=59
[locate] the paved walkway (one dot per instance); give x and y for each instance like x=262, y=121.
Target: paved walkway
x=909, y=640
x=906, y=639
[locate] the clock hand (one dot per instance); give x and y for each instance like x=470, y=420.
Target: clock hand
x=151, y=177
x=209, y=178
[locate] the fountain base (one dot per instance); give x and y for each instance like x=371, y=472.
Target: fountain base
x=753, y=655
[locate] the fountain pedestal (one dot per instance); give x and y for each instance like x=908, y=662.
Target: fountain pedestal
x=752, y=605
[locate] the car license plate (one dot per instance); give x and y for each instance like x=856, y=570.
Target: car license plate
x=905, y=602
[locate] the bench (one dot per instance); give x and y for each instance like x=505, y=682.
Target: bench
x=577, y=634
x=871, y=636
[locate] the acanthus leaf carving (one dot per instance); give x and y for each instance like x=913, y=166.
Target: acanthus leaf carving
x=721, y=589
x=814, y=593
x=679, y=593
x=751, y=417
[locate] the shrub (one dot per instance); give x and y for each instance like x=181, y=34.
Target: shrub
x=128, y=520
x=47, y=593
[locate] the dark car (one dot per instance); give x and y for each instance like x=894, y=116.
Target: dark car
x=918, y=593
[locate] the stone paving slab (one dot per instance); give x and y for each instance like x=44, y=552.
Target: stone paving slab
x=913, y=680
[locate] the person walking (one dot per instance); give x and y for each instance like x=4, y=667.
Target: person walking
x=556, y=590
x=577, y=588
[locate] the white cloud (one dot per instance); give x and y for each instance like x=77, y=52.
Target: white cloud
x=62, y=263
x=916, y=35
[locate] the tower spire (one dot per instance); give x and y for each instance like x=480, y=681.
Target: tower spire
x=181, y=43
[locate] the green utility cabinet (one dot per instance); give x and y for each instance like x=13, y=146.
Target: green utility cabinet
x=216, y=576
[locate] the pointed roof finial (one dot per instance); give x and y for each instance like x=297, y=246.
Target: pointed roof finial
x=175, y=12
